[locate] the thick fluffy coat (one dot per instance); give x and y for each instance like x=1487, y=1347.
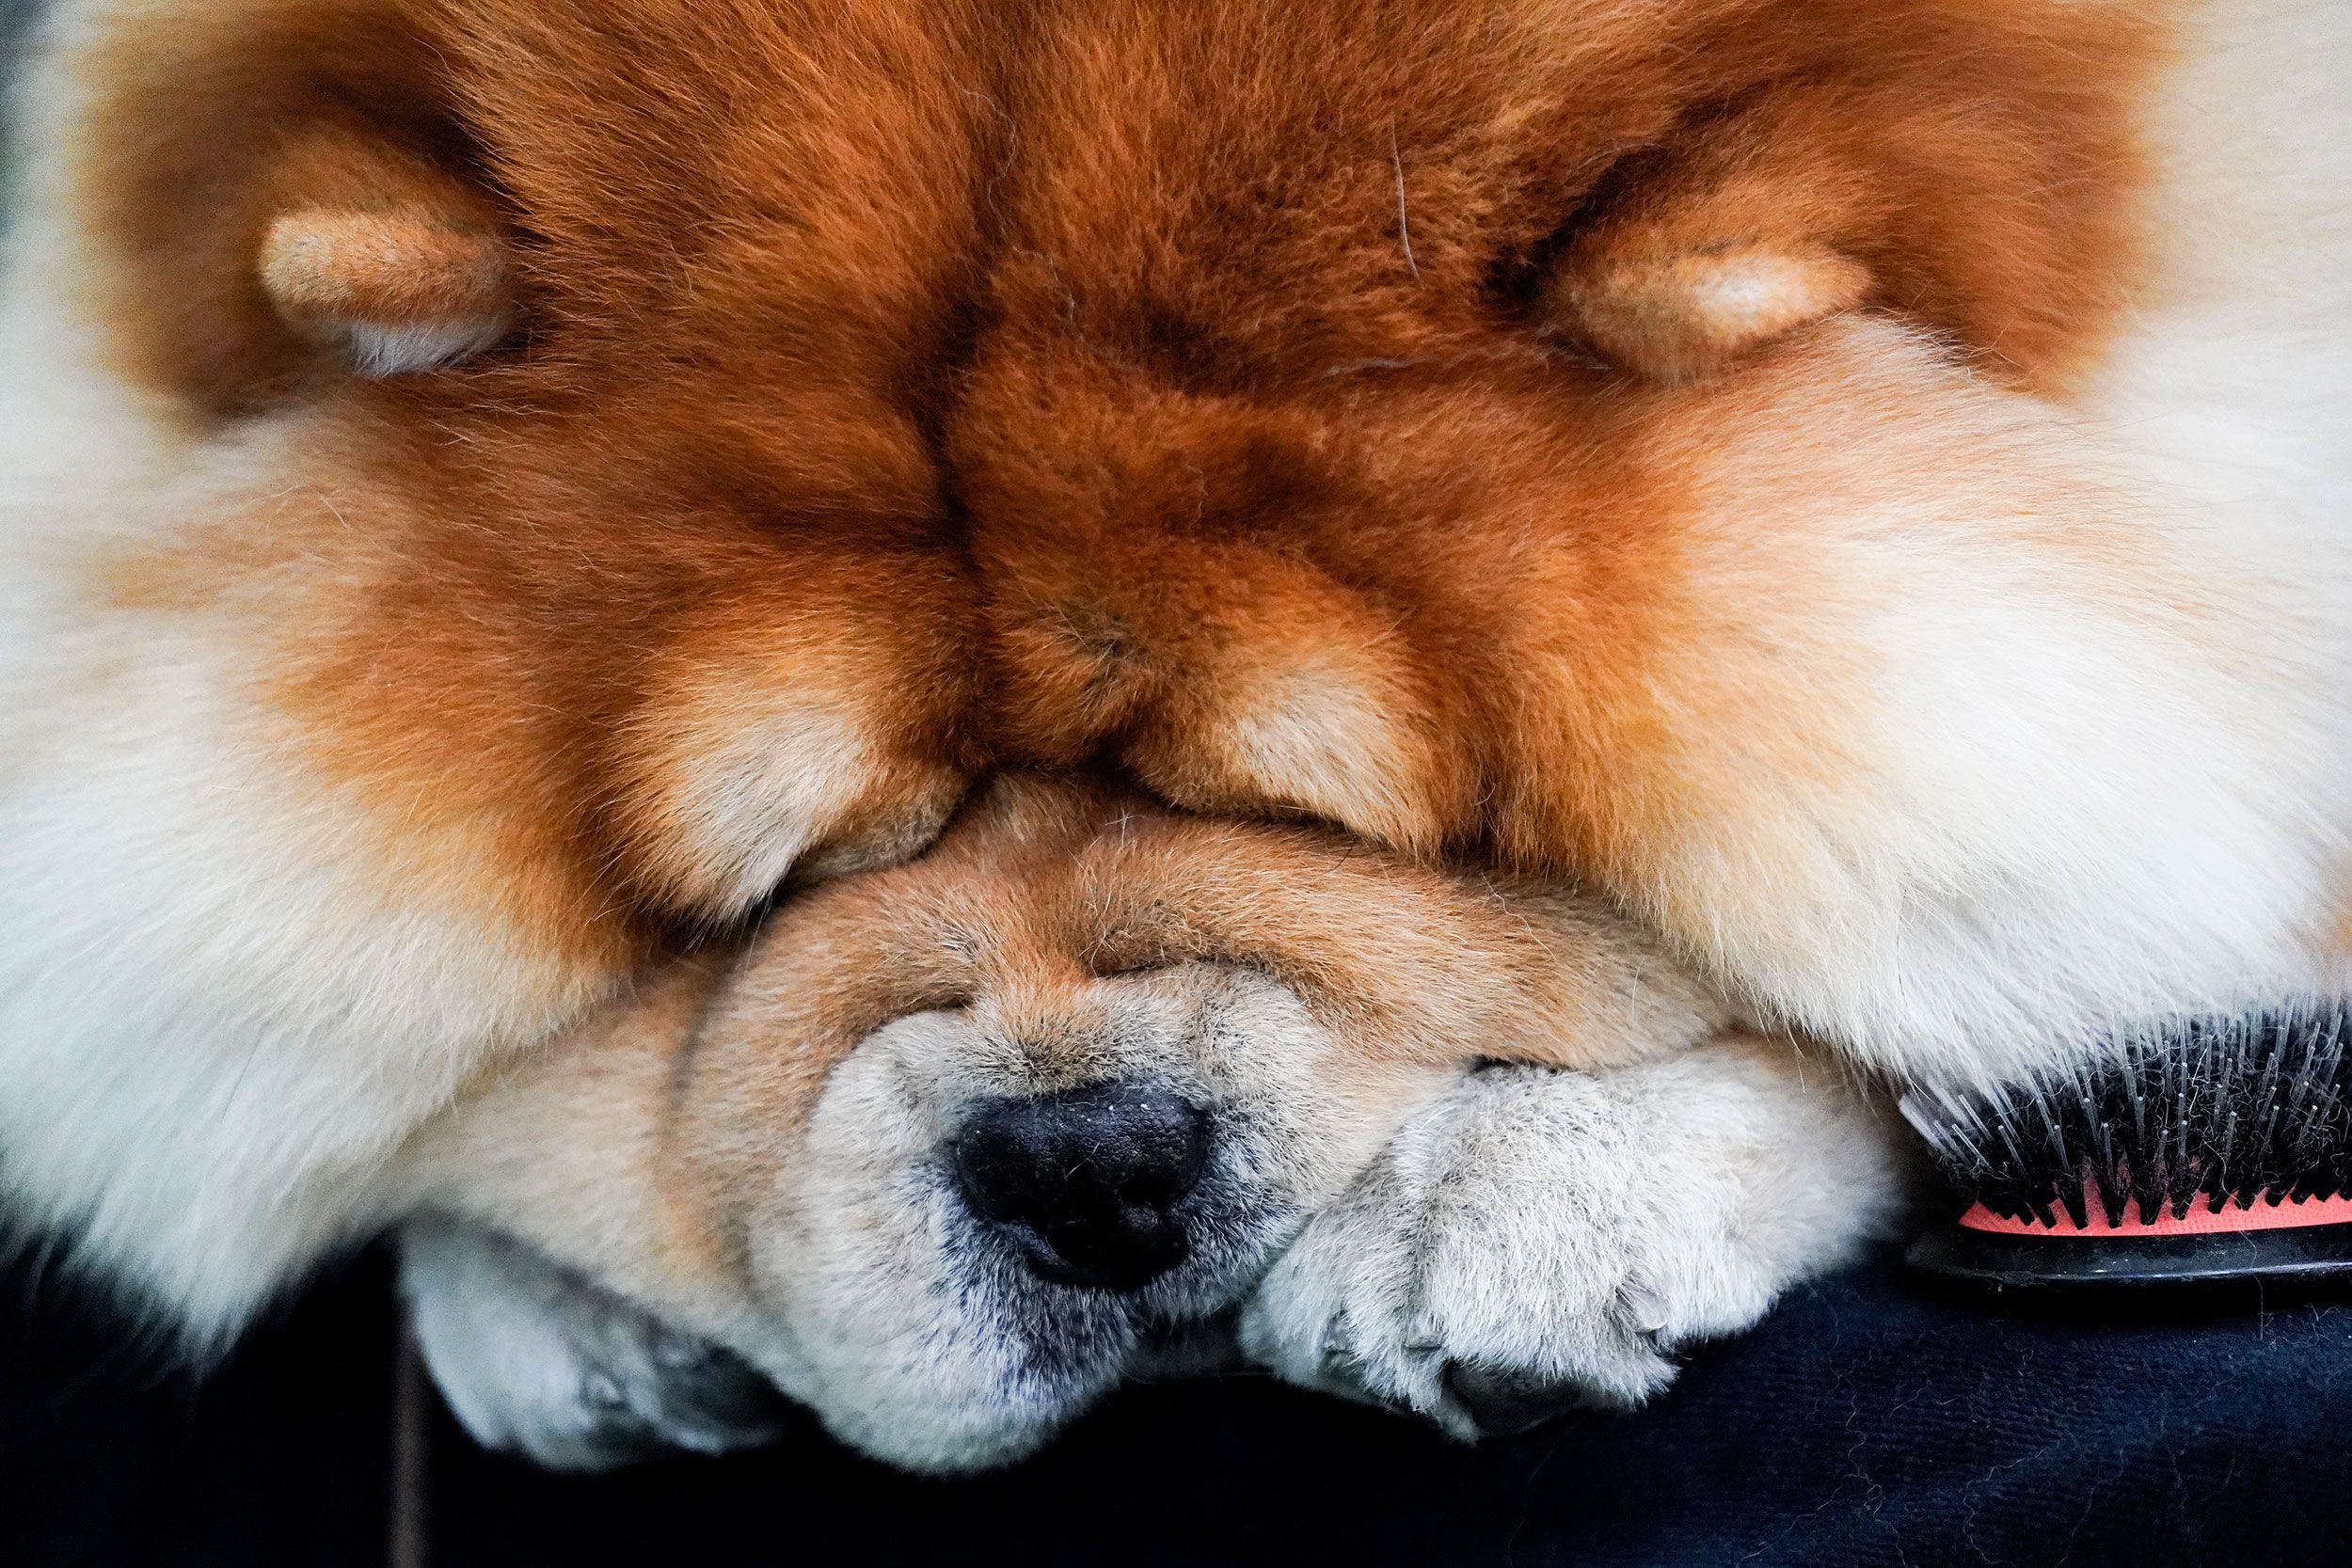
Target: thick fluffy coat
x=496, y=489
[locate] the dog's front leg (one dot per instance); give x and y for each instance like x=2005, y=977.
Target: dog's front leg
x=534, y=1357
x=1543, y=1239
x=537, y=1359
x=532, y=1229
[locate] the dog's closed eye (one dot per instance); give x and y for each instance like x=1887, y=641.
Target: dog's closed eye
x=1745, y=223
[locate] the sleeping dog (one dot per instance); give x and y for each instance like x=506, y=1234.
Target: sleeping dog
x=947, y=1149
x=497, y=490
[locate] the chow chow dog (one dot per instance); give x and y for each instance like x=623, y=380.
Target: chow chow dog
x=497, y=491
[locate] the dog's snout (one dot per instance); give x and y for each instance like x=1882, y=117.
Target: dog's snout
x=1087, y=1181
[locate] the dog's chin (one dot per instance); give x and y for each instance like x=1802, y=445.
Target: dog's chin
x=991, y=1421
x=1005, y=1360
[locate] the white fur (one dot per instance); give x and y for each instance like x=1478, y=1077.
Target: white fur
x=212, y=1021
x=2085, y=793
x=1552, y=1236
x=2093, y=777
x=381, y=349
x=533, y=1359
x=216, y=1010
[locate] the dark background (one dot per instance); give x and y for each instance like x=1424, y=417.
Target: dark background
x=1874, y=1419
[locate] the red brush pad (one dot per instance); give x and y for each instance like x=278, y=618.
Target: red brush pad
x=2205, y=1218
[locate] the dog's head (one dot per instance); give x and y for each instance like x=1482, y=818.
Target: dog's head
x=707, y=433
x=950, y=1148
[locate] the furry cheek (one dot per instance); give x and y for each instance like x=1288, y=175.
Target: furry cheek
x=1331, y=734
x=737, y=775
x=1875, y=806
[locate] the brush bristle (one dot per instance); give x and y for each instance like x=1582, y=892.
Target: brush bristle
x=2210, y=1112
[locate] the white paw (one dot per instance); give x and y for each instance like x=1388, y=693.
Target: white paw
x=1543, y=1240
x=532, y=1358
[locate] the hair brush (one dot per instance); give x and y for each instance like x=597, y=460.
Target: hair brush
x=2208, y=1148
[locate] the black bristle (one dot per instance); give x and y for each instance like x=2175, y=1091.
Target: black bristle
x=2250, y=1110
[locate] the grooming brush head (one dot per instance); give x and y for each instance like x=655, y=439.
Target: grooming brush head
x=2208, y=1148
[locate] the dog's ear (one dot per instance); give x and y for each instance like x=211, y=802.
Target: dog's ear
x=1692, y=255
x=393, y=264
x=1674, y=315
x=280, y=194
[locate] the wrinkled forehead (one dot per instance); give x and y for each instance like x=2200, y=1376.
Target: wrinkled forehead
x=882, y=166
x=1256, y=144
x=806, y=171
x=1043, y=889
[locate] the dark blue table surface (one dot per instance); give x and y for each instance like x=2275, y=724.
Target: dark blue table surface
x=1872, y=1420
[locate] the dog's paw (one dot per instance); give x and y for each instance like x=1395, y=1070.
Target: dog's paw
x=534, y=1359
x=1540, y=1241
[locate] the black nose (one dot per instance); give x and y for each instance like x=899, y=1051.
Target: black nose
x=1086, y=1181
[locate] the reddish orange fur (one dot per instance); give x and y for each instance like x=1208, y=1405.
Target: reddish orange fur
x=331, y=265
x=1066, y=382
